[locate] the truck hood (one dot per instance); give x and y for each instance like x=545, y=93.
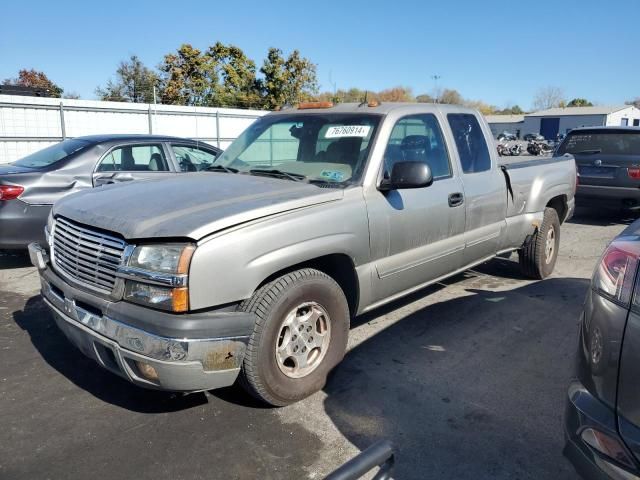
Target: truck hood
x=188, y=205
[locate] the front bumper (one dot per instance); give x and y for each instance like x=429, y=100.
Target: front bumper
x=127, y=339
x=583, y=410
x=608, y=196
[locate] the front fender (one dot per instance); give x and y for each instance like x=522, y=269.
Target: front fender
x=228, y=267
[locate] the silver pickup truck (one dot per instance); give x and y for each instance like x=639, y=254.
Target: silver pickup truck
x=313, y=215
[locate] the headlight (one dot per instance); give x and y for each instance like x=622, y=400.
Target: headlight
x=156, y=275
x=162, y=258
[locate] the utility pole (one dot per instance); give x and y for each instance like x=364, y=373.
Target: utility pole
x=435, y=78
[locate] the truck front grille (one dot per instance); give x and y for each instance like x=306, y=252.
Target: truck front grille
x=86, y=255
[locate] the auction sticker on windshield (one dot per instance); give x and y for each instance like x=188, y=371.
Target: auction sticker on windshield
x=348, y=131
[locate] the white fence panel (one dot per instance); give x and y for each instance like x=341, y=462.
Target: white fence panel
x=28, y=124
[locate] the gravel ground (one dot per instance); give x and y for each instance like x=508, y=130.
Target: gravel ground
x=467, y=378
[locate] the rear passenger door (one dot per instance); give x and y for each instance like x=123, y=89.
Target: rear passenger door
x=485, y=194
x=129, y=162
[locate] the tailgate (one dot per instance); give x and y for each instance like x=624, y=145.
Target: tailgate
x=609, y=170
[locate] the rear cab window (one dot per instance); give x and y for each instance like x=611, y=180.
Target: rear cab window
x=135, y=158
x=470, y=142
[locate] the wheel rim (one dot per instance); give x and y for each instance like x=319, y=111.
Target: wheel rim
x=550, y=245
x=303, y=340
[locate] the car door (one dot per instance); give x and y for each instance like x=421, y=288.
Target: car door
x=133, y=161
x=193, y=158
x=416, y=235
x=484, y=186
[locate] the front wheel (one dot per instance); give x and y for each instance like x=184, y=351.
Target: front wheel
x=300, y=334
x=538, y=257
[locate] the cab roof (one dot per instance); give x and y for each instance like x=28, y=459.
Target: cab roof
x=382, y=108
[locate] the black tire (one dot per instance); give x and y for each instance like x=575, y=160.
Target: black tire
x=534, y=261
x=261, y=374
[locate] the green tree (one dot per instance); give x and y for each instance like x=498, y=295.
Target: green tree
x=425, y=98
x=450, y=96
x=35, y=79
x=134, y=83
x=579, y=102
x=287, y=81
x=395, y=94
x=236, y=83
x=188, y=77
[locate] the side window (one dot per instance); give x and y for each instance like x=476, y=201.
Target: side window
x=135, y=158
x=193, y=159
x=418, y=138
x=470, y=141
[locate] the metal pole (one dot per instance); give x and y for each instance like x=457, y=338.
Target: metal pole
x=150, y=121
x=63, y=128
x=217, y=128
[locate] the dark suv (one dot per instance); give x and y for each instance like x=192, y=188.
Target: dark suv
x=602, y=419
x=608, y=160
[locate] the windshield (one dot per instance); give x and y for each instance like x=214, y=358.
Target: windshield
x=50, y=155
x=330, y=148
x=612, y=142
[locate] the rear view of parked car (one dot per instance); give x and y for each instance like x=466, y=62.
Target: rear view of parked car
x=30, y=186
x=602, y=421
x=608, y=160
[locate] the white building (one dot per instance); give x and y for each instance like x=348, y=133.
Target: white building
x=553, y=121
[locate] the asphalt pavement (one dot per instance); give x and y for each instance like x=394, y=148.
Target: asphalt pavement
x=468, y=379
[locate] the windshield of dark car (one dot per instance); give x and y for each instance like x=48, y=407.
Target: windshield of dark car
x=614, y=142
x=50, y=155
x=328, y=147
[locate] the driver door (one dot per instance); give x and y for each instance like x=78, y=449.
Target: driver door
x=416, y=235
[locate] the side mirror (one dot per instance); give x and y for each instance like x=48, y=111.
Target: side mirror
x=407, y=175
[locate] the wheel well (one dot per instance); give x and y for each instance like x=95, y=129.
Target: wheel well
x=559, y=204
x=338, y=266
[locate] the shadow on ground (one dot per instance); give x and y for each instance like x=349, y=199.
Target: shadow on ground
x=14, y=259
x=55, y=349
x=472, y=387
x=603, y=217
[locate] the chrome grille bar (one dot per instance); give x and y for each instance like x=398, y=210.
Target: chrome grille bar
x=87, y=256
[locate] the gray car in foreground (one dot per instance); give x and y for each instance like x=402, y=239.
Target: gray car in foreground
x=30, y=186
x=602, y=421
x=314, y=215
x=608, y=160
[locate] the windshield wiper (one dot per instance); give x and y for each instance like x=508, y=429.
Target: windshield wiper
x=590, y=152
x=278, y=173
x=220, y=168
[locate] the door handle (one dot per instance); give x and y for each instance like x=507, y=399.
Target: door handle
x=456, y=199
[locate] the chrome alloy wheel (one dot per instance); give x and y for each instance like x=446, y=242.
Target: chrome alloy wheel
x=303, y=340
x=550, y=245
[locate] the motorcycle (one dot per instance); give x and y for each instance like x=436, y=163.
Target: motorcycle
x=536, y=148
x=505, y=150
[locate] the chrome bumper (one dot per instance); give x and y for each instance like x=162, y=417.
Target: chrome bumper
x=180, y=364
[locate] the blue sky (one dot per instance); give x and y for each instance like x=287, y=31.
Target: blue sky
x=497, y=51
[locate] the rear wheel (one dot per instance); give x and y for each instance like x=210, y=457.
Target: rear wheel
x=538, y=257
x=300, y=335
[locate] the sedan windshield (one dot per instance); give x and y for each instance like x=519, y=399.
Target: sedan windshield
x=330, y=148
x=50, y=155
x=607, y=142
